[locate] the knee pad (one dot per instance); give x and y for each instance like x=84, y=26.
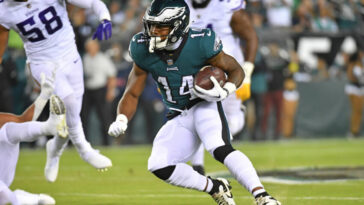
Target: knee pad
x=164, y=173
x=220, y=153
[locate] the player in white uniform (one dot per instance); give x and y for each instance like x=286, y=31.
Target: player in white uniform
x=49, y=42
x=231, y=23
x=15, y=129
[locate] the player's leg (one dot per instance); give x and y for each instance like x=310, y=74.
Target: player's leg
x=212, y=127
x=174, y=145
x=234, y=115
x=197, y=160
x=74, y=74
x=24, y=197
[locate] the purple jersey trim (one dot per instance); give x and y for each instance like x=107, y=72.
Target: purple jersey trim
x=241, y=6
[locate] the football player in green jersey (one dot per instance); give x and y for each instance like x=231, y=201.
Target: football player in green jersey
x=173, y=53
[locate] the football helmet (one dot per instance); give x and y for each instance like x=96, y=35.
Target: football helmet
x=200, y=3
x=172, y=13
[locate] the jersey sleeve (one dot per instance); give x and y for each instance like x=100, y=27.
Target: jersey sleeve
x=137, y=50
x=211, y=44
x=235, y=5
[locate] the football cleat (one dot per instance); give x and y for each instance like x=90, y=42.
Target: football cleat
x=52, y=163
x=267, y=200
x=57, y=108
x=97, y=160
x=222, y=194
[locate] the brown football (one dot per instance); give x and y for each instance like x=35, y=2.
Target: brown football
x=202, y=78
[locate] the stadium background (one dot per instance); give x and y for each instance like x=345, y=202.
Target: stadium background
x=321, y=123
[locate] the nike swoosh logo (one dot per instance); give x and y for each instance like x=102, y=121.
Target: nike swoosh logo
x=75, y=61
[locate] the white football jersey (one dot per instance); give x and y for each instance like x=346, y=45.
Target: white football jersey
x=43, y=26
x=217, y=16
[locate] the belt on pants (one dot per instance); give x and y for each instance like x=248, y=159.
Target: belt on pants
x=174, y=113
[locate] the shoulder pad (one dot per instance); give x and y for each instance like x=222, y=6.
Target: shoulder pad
x=138, y=47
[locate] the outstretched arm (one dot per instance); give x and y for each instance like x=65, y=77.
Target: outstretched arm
x=242, y=26
x=4, y=36
x=104, y=30
x=98, y=7
x=25, y=117
x=134, y=88
x=128, y=103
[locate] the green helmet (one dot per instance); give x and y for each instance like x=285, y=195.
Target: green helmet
x=172, y=13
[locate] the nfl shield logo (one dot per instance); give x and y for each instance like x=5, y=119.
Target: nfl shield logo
x=169, y=62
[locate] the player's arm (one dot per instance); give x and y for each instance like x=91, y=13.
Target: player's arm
x=230, y=66
x=104, y=30
x=4, y=36
x=134, y=88
x=242, y=26
x=25, y=117
x=128, y=103
x=235, y=78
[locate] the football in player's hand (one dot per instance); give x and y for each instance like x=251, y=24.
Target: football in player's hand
x=202, y=78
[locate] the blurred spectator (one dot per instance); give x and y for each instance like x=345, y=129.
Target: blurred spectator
x=346, y=13
x=290, y=98
x=258, y=90
x=82, y=29
x=117, y=15
x=324, y=21
x=303, y=16
x=355, y=90
x=100, y=84
x=279, y=12
x=276, y=61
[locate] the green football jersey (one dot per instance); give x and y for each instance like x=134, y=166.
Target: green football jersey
x=174, y=76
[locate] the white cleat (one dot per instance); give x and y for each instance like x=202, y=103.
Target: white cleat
x=52, y=164
x=26, y=198
x=57, y=108
x=267, y=200
x=45, y=199
x=223, y=196
x=97, y=160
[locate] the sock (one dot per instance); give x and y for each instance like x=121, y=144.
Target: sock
x=78, y=139
x=25, y=132
x=260, y=192
x=59, y=144
x=184, y=176
x=242, y=169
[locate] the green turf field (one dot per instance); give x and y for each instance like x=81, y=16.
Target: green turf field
x=129, y=182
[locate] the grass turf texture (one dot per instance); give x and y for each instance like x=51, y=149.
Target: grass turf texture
x=129, y=182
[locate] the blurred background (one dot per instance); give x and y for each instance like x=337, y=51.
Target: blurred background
x=308, y=80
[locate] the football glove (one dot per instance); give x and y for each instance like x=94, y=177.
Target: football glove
x=119, y=126
x=46, y=90
x=248, y=68
x=103, y=30
x=47, y=85
x=217, y=93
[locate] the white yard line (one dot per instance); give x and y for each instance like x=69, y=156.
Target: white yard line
x=100, y=195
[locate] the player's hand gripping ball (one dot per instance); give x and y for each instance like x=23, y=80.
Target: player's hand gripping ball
x=202, y=78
